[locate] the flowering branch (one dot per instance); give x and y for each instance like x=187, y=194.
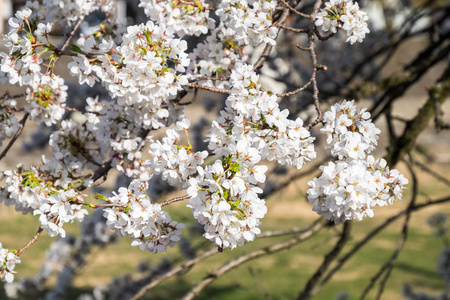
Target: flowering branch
x=268, y=48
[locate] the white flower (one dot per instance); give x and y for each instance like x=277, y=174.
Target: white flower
x=345, y=15
x=8, y=261
x=187, y=18
x=150, y=228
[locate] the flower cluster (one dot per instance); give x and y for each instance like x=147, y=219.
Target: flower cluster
x=350, y=132
x=9, y=124
x=74, y=10
x=254, y=115
x=250, y=22
x=23, y=62
x=8, y=261
x=242, y=23
x=224, y=199
x=216, y=57
x=351, y=187
x=46, y=99
x=135, y=216
x=176, y=163
x=224, y=196
x=23, y=190
x=36, y=191
x=106, y=129
x=344, y=14
x=46, y=94
x=57, y=209
x=142, y=70
x=74, y=149
x=189, y=17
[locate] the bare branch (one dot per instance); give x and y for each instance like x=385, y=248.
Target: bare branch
x=250, y=256
x=388, y=266
x=372, y=234
x=329, y=258
x=296, y=30
x=294, y=10
x=300, y=89
x=187, y=265
x=31, y=242
x=176, y=199
x=312, y=47
x=212, y=89
x=13, y=140
x=292, y=230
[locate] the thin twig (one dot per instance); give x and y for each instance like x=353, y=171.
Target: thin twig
x=230, y=265
x=294, y=10
x=297, y=30
x=432, y=173
x=300, y=89
x=31, y=242
x=268, y=48
x=189, y=264
x=72, y=34
x=293, y=230
x=212, y=89
x=329, y=258
x=173, y=272
x=176, y=199
x=323, y=38
x=312, y=47
x=202, y=78
x=303, y=48
x=13, y=140
x=387, y=267
x=371, y=235
x=404, y=235
x=8, y=96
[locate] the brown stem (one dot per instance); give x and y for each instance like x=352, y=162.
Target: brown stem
x=307, y=292
x=300, y=89
x=13, y=140
x=387, y=267
x=187, y=265
x=294, y=10
x=176, y=199
x=312, y=47
x=212, y=89
x=31, y=242
x=297, y=30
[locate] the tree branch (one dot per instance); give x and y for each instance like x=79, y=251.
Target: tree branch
x=200, y=286
x=13, y=140
x=307, y=292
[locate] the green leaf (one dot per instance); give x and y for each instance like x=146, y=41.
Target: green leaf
x=76, y=49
